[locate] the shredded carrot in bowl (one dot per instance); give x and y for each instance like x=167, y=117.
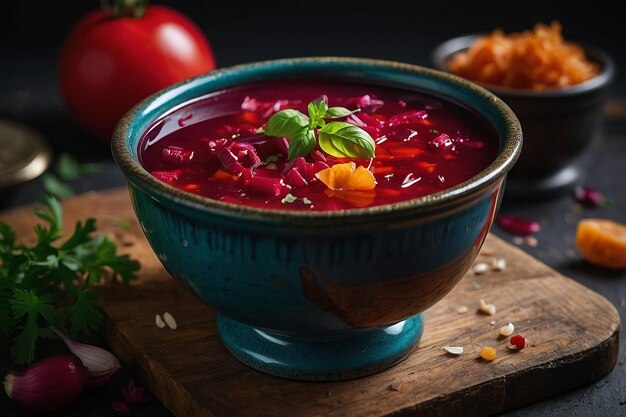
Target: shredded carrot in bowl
x=539, y=59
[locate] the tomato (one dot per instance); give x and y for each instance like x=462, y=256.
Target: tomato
x=108, y=64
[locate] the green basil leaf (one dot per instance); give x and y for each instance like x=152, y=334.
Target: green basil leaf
x=302, y=143
x=339, y=112
x=342, y=140
x=286, y=123
x=318, y=108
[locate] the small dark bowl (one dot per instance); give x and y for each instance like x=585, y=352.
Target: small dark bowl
x=319, y=295
x=560, y=125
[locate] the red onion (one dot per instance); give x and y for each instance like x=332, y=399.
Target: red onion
x=47, y=385
x=517, y=225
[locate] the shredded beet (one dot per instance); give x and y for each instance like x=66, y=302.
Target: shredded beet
x=295, y=179
x=268, y=185
x=420, y=147
x=169, y=177
x=177, y=155
x=229, y=162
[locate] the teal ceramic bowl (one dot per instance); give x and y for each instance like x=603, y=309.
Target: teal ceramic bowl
x=319, y=295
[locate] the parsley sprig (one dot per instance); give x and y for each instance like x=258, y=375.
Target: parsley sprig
x=336, y=138
x=51, y=283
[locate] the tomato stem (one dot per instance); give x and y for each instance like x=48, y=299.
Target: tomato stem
x=125, y=8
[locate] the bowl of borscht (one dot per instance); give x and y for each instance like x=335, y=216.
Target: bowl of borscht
x=319, y=205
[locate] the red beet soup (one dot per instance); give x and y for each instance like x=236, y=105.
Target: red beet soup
x=317, y=145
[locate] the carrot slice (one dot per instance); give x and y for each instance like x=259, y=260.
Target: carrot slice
x=347, y=177
x=223, y=175
x=602, y=242
x=536, y=60
x=358, y=198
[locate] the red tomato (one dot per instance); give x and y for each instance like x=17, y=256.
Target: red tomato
x=109, y=64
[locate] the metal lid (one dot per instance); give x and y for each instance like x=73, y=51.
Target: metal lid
x=24, y=153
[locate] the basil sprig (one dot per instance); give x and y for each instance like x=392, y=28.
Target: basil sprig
x=340, y=139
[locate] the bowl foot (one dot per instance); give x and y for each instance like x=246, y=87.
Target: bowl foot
x=559, y=183
x=338, y=357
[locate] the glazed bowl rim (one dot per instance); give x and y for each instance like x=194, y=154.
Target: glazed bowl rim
x=507, y=155
x=446, y=49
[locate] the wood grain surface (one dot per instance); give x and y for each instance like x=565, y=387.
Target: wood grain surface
x=572, y=334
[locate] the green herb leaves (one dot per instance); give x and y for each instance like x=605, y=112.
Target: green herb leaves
x=51, y=284
x=67, y=169
x=340, y=139
x=344, y=139
x=286, y=123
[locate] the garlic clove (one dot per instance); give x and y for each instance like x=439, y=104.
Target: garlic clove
x=507, y=330
x=48, y=384
x=100, y=363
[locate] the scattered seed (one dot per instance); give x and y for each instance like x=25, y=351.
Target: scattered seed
x=518, y=240
x=488, y=353
x=159, y=321
x=454, y=350
x=476, y=286
x=499, y=264
x=462, y=309
x=492, y=322
x=396, y=385
x=488, y=309
x=622, y=302
x=170, y=321
x=507, y=330
x=480, y=268
x=531, y=241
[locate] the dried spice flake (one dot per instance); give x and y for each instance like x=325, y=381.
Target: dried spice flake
x=396, y=385
x=488, y=309
x=499, y=264
x=517, y=342
x=488, y=353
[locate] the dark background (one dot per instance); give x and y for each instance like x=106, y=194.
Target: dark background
x=32, y=32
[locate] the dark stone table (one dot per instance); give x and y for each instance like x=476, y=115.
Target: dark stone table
x=30, y=36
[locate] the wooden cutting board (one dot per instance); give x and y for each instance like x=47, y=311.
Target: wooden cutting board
x=572, y=334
